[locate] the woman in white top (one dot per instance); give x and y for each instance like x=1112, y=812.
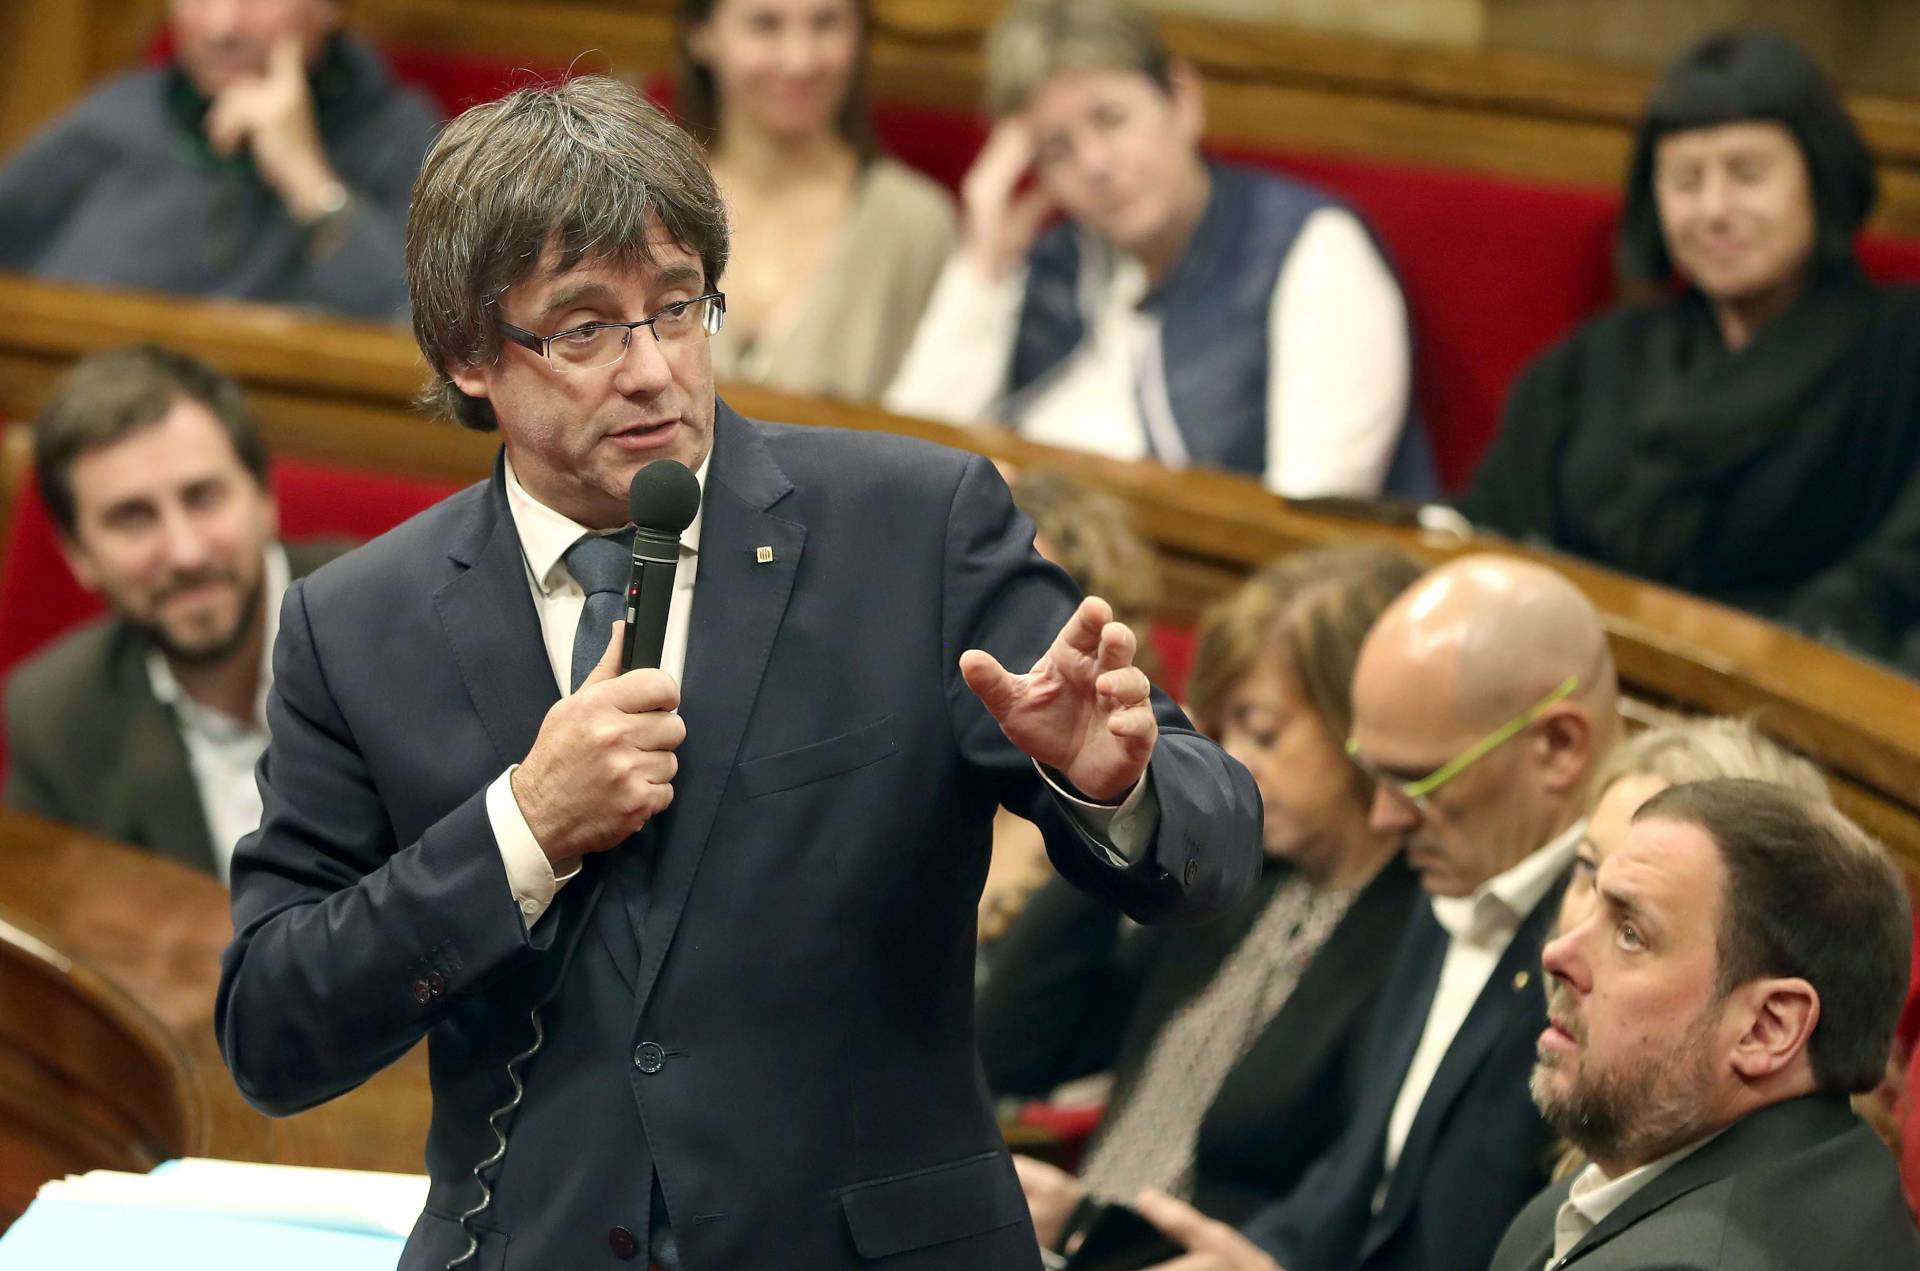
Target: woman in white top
x=1193, y=312
x=835, y=246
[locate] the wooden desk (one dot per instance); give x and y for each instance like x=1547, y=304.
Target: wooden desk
x=341, y=392
x=108, y=962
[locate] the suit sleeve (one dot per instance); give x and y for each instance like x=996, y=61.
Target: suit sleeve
x=1001, y=596
x=28, y=787
x=39, y=187
x=362, y=269
x=348, y=947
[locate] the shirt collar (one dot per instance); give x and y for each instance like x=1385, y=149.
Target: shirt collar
x=1503, y=902
x=545, y=535
x=1593, y=1196
x=276, y=573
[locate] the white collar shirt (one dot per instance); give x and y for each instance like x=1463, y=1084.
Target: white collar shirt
x=221, y=750
x=1479, y=928
x=545, y=535
x=1593, y=1197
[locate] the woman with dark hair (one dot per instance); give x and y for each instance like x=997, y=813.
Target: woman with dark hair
x=835, y=245
x=1754, y=435
x=1233, y=1045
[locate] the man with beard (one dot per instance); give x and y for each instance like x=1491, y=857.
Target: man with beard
x=1736, y=978
x=1483, y=702
x=144, y=726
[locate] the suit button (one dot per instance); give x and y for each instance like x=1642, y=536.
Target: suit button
x=436, y=984
x=624, y=1246
x=421, y=992
x=1192, y=870
x=649, y=1058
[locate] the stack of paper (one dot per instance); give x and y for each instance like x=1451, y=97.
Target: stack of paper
x=215, y=1215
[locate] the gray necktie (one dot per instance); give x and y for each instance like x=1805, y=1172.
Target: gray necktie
x=600, y=564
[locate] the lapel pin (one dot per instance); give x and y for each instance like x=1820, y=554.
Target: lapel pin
x=1520, y=979
x=762, y=555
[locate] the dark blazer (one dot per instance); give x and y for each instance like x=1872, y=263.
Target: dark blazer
x=767, y=996
x=1068, y=993
x=1804, y=1185
x=90, y=745
x=1477, y=1150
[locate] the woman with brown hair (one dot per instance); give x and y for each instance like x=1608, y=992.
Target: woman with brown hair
x=835, y=245
x=1232, y=1044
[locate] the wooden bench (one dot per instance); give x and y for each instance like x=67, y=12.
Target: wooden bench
x=340, y=393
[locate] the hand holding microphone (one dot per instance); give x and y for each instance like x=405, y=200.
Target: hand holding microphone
x=603, y=763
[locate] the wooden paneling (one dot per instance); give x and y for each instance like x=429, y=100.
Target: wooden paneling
x=110, y=1020
x=342, y=391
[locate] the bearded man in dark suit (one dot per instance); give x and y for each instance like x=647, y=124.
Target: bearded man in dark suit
x=145, y=725
x=1730, y=975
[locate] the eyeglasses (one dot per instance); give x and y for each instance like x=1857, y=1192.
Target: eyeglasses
x=1417, y=792
x=593, y=345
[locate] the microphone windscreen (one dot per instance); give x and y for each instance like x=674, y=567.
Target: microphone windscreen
x=665, y=496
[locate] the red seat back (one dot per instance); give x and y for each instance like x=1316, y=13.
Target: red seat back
x=41, y=600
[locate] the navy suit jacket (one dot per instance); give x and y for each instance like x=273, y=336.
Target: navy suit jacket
x=1803, y=1185
x=766, y=995
x=1477, y=1149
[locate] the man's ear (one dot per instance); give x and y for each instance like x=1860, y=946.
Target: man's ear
x=699, y=42
x=80, y=562
x=1566, y=740
x=475, y=379
x=1779, y=1016
x=1189, y=99
x=269, y=515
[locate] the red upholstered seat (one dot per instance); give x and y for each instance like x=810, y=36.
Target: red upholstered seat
x=40, y=598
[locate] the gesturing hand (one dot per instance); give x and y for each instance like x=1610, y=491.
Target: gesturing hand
x=603, y=763
x=1084, y=709
x=1210, y=1245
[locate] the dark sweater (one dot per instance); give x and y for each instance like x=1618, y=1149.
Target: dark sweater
x=123, y=191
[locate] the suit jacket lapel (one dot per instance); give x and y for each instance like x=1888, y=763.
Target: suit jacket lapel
x=739, y=601
x=154, y=777
x=1514, y=988
x=486, y=610
x=1767, y=1136
x=1398, y=1020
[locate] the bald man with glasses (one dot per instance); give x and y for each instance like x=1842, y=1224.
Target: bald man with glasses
x=1484, y=700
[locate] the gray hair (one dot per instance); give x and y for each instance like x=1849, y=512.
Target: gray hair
x=583, y=170
x=1035, y=40
x=1709, y=747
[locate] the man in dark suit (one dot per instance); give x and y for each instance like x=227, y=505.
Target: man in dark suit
x=745, y=911
x=1708, y=1021
x=1483, y=701
x=145, y=725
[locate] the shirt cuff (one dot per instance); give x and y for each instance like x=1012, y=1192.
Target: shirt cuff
x=1118, y=831
x=529, y=872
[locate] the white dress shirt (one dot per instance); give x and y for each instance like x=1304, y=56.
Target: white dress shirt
x=222, y=750
x=545, y=536
x=1117, y=832
x=1338, y=380
x=1479, y=927
x=1594, y=1196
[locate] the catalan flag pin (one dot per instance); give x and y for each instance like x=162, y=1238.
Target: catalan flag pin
x=762, y=555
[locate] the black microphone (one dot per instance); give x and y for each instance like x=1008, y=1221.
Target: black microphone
x=662, y=502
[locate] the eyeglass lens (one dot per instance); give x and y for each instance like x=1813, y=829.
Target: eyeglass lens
x=594, y=346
